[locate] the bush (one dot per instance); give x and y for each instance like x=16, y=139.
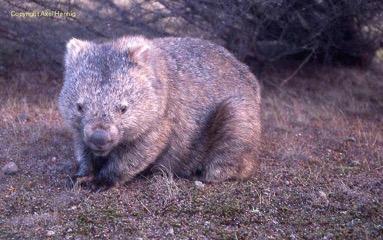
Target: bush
x=330, y=31
x=345, y=31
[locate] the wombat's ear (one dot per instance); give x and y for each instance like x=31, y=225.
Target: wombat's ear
x=139, y=54
x=73, y=48
x=138, y=48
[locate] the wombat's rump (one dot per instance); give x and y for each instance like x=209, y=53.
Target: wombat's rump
x=180, y=103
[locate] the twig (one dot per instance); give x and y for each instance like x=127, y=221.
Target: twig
x=297, y=70
x=147, y=209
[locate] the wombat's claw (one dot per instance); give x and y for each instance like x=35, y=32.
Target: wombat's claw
x=85, y=179
x=81, y=181
x=97, y=186
x=99, y=189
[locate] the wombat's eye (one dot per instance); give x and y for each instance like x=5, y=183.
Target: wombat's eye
x=123, y=109
x=80, y=107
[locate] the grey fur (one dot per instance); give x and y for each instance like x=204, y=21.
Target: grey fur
x=190, y=107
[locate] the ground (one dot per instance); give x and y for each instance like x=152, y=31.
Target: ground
x=321, y=173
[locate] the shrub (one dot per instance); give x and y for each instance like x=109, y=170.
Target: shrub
x=330, y=31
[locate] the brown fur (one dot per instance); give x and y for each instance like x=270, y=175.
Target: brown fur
x=192, y=108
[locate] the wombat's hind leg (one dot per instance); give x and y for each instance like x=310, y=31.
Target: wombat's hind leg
x=232, y=141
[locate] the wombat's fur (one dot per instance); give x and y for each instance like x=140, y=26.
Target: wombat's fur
x=180, y=103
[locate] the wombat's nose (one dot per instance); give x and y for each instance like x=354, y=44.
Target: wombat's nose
x=100, y=138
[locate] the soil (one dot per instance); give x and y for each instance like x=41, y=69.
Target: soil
x=321, y=173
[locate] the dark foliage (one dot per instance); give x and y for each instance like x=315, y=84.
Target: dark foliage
x=329, y=31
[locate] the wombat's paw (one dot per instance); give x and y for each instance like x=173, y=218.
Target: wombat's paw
x=84, y=181
x=100, y=185
x=80, y=182
x=214, y=175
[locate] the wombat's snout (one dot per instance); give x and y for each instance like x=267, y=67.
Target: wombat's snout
x=101, y=138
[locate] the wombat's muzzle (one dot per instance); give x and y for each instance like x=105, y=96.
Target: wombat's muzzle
x=101, y=139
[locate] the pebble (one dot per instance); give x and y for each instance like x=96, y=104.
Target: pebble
x=170, y=231
x=350, y=139
x=199, y=184
x=322, y=194
x=354, y=163
x=50, y=233
x=10, y=168
x=23, y=117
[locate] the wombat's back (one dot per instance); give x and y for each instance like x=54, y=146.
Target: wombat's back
x=201, y=68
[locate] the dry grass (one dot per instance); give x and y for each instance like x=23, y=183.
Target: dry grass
x=321, y=176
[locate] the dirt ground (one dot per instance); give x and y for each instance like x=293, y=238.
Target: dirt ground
x=321, y=175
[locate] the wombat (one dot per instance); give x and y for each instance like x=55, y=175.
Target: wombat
x=184, y=104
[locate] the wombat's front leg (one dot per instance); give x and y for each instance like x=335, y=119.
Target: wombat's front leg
x=127, y=162
x=83, y=157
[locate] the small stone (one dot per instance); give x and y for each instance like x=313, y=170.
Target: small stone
x=255, y=210
x=170, y=231
x=50, y=233
x=350, y=139
x=328, y=236
x=23, y=117
x=323, y=197
x=322, y=194
x=10, y=168
x=199, y=184
x=354, y=163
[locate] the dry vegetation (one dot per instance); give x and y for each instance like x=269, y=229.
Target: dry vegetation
x=321, y=174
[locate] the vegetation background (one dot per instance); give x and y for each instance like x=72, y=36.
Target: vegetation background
x=320, y=62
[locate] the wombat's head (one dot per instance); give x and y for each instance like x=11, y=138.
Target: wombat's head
x=112, y=92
